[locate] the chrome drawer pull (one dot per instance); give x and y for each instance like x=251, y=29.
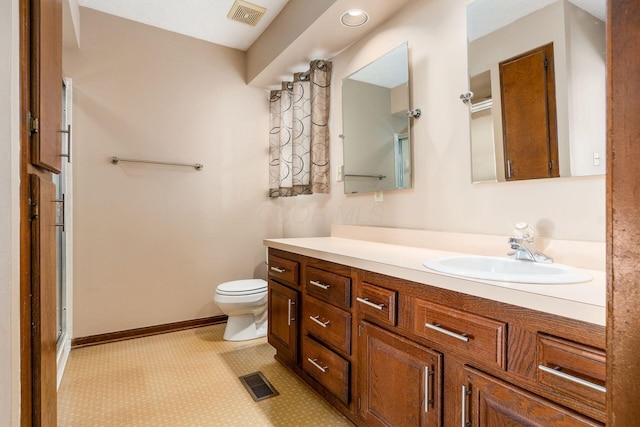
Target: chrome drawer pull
x=568, y=377
x=278, y=269
x=318, y=284
x=323, y=324
x=436, y=327
x=314, y=362
x=369, y=303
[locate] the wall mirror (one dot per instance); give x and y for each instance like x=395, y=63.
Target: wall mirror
x=375, y=123
x=537, y=75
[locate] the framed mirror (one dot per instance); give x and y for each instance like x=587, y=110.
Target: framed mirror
x=537, y=75
x=375, y=121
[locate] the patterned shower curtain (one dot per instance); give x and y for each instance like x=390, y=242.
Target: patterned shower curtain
x=299, y=134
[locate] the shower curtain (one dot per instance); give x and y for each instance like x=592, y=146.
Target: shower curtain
x=299, y=134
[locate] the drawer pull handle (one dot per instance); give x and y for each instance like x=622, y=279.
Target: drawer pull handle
x=314, y=362
x=290, y=304
x=465, y=393
x=323, y=324
x=557, y=372
x=427, y=383
x=436, y=327
x=278, y=269
x=319, y=285
x=369, y=303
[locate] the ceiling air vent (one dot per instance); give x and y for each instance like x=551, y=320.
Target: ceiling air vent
x=246, y=13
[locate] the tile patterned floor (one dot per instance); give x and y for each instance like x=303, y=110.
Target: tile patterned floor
x=185, y=378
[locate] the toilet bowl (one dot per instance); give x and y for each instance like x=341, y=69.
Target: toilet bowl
x=245, y=303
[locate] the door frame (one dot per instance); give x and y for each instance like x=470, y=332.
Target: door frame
x=623, y=212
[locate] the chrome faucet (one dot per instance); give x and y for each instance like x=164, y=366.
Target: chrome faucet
x=523, y=245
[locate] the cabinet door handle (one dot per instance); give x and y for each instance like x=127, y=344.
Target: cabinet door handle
x=314, y=362
x=290, y=303
x=427, y=388
x=63, y=223
x=278, y=269
x=68, y=132
x=464, y=410
x=436, y=327
x=369, y=303
x=315, y=319
x=319, y=285
x=557, y=372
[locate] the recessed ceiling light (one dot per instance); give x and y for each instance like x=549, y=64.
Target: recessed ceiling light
x=354, y=18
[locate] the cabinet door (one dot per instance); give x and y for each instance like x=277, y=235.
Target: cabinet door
x=488, y=401
x=47, y=88
x=43, y=300
x=283, y=321
x=399, y=382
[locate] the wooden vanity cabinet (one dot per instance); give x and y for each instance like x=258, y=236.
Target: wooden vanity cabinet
x=283, y=321
x=488, y=401
x=283, y=307
x=390, y=352
x=327, y=328
x=399, y=381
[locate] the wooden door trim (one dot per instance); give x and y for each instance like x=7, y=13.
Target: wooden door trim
x=623, y=212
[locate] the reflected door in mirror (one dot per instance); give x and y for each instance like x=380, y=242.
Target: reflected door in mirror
x=527, y=87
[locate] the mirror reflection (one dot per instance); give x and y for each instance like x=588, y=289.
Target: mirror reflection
x=537, y=74
x=375, y=105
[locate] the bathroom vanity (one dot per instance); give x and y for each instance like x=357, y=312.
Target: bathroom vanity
x=388, y=342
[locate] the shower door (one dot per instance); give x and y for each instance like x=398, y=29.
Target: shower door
x=62, y=184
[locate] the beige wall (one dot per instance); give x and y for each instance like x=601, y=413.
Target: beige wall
x=586, y=51
x=9, y=216
x=443, y=197
x=152, y=242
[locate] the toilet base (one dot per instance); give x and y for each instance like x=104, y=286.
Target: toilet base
x=243, y=327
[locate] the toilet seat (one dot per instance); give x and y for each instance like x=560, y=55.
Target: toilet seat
x=242, y=287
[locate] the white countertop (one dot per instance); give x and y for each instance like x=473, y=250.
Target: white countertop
x=580, y=301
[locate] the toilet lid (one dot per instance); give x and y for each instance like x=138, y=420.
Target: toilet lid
x=242, y=287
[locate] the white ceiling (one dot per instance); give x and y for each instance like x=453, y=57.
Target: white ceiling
x=202, y=19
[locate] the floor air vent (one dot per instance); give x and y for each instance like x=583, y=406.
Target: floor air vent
x=258, y=386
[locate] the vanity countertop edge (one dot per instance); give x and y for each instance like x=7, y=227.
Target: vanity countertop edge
x=580, y=301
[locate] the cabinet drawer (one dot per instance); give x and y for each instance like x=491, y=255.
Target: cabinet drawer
x=283, y=270
x=328, y=324
x=376, y=303
x=572, y=369
x=330, y=287
x=329, y=369
x=476, y=336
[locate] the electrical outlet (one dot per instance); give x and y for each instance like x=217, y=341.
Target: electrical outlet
x=340, y=174
x=378, y=196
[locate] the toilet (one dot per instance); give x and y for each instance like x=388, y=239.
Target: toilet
x=245, y=302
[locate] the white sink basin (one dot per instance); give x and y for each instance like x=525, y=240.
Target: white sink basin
x=506, y=270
